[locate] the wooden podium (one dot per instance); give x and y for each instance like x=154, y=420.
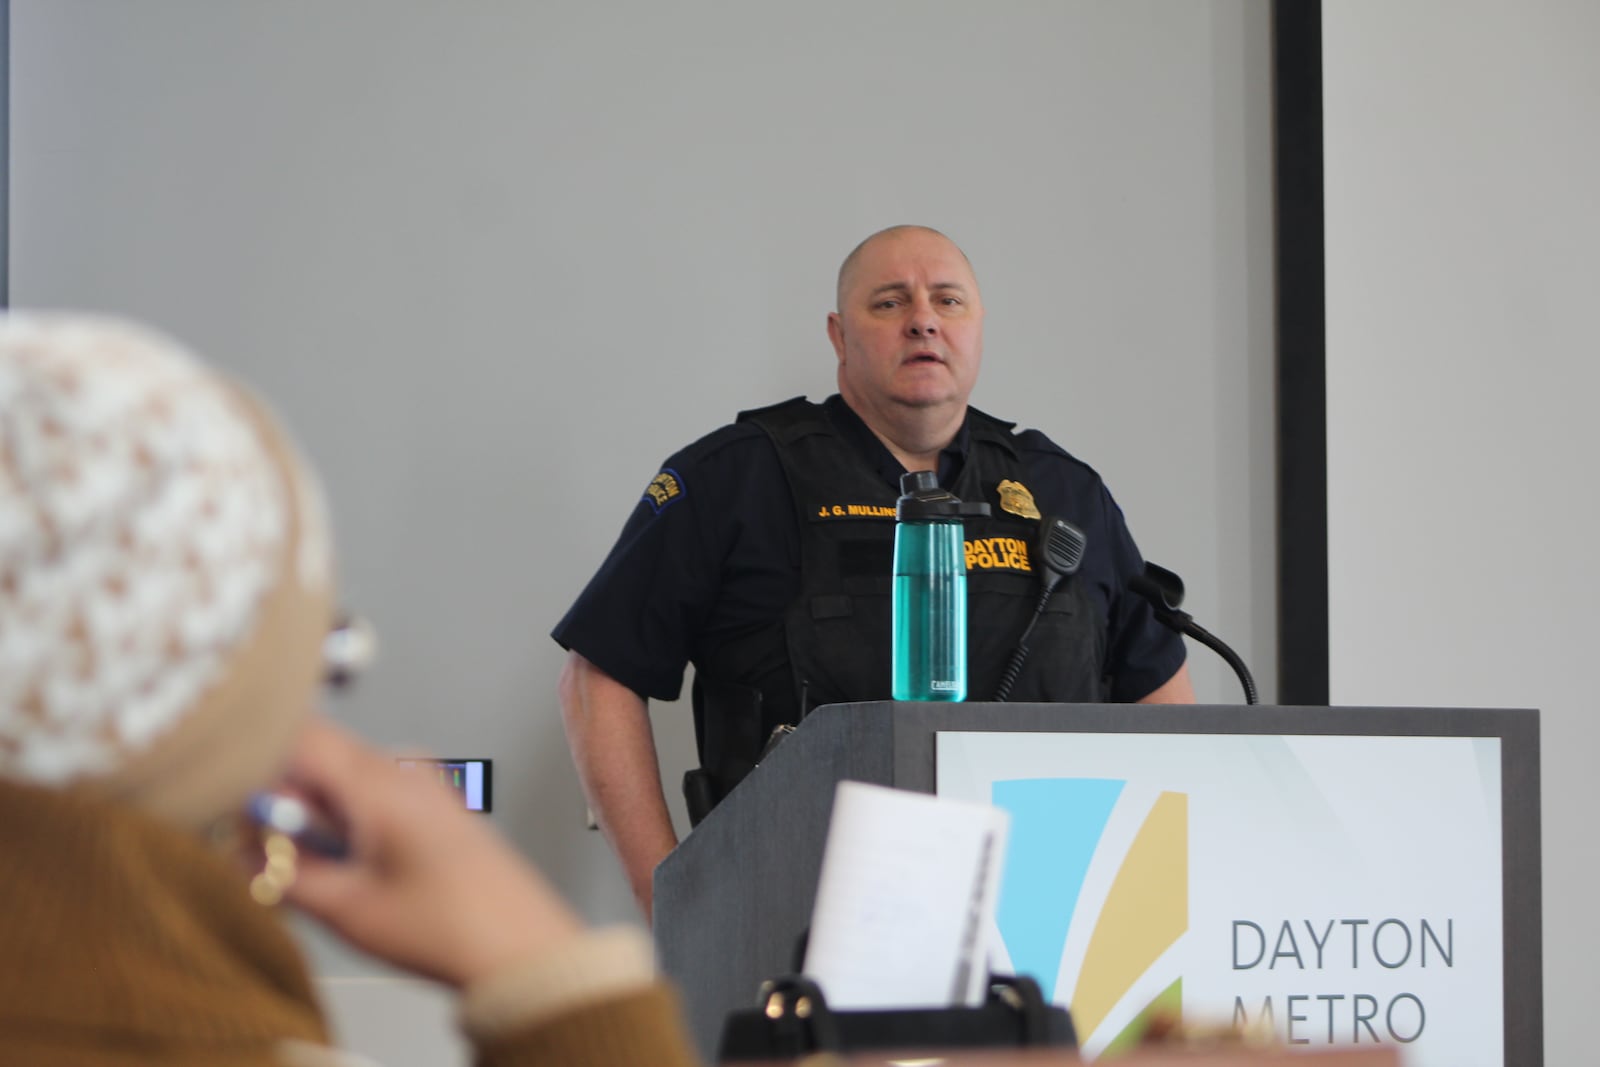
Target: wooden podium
x=734, y=899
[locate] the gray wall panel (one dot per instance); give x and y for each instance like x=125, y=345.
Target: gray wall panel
x=1461, y=167
x=493, y=261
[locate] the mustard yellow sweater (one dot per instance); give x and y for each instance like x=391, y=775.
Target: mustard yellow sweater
x=126, y=941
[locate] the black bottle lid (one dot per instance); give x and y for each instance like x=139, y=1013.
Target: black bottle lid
x=922, y=500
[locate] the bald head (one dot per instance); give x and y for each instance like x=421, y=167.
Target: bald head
x=848, y=267
x=908, y=335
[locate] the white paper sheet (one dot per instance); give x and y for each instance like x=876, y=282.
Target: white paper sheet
x=906, y=901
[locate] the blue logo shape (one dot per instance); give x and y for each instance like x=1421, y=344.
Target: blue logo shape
x=1056, y=824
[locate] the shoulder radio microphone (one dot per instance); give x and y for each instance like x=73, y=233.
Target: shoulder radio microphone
x=1061, y=548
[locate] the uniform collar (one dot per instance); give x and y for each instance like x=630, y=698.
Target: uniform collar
x=863, y=440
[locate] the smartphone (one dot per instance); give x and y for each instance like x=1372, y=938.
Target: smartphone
x=472, y=779
x=296, y=820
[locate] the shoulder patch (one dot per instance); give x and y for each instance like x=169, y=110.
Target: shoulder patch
x=664, y=489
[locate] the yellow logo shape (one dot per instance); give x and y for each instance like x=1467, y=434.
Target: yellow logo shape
x=1015, y=498
x=1145, y=913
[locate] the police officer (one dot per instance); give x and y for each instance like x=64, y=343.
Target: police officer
x=761, y=554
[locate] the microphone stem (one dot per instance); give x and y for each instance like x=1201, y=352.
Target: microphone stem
x=1184, y=623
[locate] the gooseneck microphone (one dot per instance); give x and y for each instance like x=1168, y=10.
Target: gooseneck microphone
x=1164, y=591
x=1061, y=546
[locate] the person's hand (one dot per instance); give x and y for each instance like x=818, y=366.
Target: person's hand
x=427, y=886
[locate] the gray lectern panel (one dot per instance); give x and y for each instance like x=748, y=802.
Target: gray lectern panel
x=732, y=901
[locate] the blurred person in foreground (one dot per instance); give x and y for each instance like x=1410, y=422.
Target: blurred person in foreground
x=165, y=592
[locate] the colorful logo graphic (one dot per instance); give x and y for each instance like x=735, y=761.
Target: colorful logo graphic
x=1068, y=896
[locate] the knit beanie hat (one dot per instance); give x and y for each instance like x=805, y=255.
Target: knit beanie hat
x=164, y=572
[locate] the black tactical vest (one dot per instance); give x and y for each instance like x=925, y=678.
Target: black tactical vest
x=832, y=644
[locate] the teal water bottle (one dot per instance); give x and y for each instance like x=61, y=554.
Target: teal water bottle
x=929, y=647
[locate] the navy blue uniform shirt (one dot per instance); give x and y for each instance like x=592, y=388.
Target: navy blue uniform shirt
x=712, y=550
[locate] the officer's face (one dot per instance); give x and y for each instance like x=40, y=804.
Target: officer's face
x=909, y=329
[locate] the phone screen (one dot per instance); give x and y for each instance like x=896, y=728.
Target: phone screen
x=471, y=779
x=299, y=821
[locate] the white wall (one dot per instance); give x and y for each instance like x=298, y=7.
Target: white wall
x=1462, y=164
x=495, y=260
